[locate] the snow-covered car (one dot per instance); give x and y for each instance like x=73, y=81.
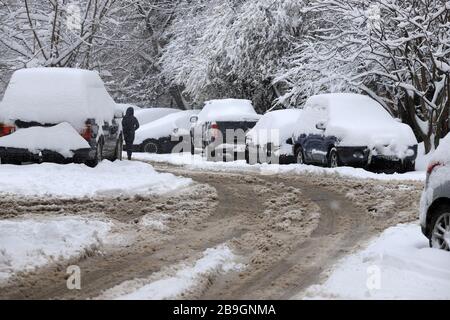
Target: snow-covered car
x=60, y=115
x=435, y=200
x=123, y=107
x=162, y=135
x=353, y=130
x=271, y=139
x=147, y=115
x=220, y=127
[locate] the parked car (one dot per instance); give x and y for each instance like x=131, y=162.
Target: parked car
x=271, y=139
x=209, y=128
x=162, y=135
x=435, y=200
x=123, y=107
x=353, y=130
x=59, y=115
x=147, y=115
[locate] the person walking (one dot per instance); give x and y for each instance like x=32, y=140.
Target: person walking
x=129, y=125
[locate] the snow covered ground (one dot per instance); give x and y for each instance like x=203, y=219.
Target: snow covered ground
x=197, y=162
x=77, y=180
x=397, y=265
x=30, y=242
x=177, y=280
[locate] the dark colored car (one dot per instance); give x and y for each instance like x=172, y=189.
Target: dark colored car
x=47, y=98
x=353, y=130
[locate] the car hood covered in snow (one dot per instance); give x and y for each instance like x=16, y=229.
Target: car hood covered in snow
x=61, y=138
x=55, y=95
x=165, y=126
x=148, y=115
x=358, y=120
x=274, y=127
x=228, y=110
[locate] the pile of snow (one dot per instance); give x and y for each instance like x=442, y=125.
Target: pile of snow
x=165, y=126
x=422, y=159
x=55, y=95
x=31, y=242
x=397, y=265
x=442, y=153
x=196, y=162
x=77, y=180
x=145, y=116
x=61, y=138
x=228, y=110
x=215, y=260
x=275, y=127
x=356, y=120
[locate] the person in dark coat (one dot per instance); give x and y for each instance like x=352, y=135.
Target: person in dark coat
x=129, y=125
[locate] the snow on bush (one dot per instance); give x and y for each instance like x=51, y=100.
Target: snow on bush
x=61, y=138
x=31, y=242
x=165, y=126
x=184, y=278
x=356, y=120
x=228, y=110
x=145, y=116
x=282, y=121
x=77, y=180
x=397, y=265
x=55, y=95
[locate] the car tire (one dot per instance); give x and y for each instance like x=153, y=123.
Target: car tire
x=151, y=146
x=299, y=156
x=333, y=158
x=98, y=155
x=440, y=228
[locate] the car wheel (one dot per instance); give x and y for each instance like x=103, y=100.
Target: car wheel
x=333, y=160
x=299, y=156
x=150, y=146
x=440, y=224
x=98, y=155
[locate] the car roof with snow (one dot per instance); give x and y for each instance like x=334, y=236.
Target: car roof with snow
x=148, y=115
x=123, y=107
x=55, y=95
x=281, y=121
x=164, y=126
x=228, y=110
x=354, y=119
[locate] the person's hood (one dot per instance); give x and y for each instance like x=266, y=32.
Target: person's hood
x=130, y=112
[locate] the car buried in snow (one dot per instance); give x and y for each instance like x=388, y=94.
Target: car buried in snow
x=147, y=115
x=219, y=129
x=345, y=129
x=270, y=141
x=435, y=200
x=58, y=115
x=162, y=135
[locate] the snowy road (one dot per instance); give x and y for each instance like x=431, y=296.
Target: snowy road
x=283, y=231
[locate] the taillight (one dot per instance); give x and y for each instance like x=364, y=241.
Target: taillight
x=87, y=132
x=432, y=166
x=6, y=129
x=215, y=132
x=214, y=126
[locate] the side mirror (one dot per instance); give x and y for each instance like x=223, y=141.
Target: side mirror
x=193, y=119
x=321, y=126
x=118, y=114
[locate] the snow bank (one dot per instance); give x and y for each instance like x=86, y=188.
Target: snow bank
x=28, y=242
x=145, y=116
x=61, y=138
x=228, y=110
x=397, y=265
x=55, y=95
x=164, y=127
x=281, y=122
x=356, y=120
x=215, y=260
x=77, y=180
x=198, y=163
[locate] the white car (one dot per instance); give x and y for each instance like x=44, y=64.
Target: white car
x=353, y=130
x=147, y=115
x=59, y=115
x=435, y=200
x=220, y=128
x=162, y=135
x=271, y=139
